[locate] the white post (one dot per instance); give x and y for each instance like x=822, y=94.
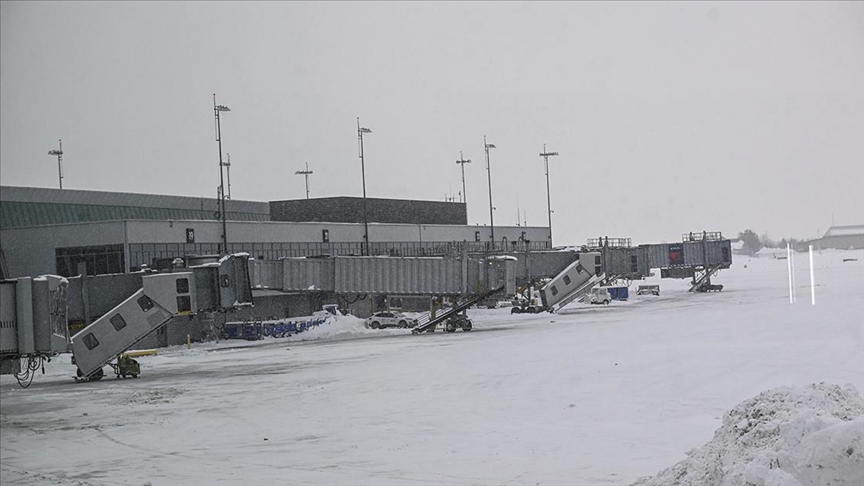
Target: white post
x=789, y=269
x=792, y=264
x=812, y=284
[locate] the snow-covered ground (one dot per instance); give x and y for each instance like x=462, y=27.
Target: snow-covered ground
x=593, y=395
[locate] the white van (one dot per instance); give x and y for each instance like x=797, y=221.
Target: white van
x=600, y=295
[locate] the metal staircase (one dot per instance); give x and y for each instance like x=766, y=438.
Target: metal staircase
x=430, y=324
x=702, y=280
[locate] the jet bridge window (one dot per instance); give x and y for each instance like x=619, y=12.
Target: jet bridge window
x=184, y=304
x=145, y=303
x=90, y=341
x=118, y=322
x=554, y=290
x=567, y=280
x=182, y=285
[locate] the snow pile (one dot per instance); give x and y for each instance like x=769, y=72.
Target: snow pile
x=342, y=327
x=803, y=436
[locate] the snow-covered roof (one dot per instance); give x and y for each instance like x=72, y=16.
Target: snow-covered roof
x=850, y=230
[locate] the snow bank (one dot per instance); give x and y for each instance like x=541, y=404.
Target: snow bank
x=803, y=436
x=342, y=327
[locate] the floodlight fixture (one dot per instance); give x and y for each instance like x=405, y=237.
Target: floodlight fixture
x=59, y=154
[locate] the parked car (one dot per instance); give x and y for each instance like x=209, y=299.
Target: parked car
x=390, y=319
x=600, y=295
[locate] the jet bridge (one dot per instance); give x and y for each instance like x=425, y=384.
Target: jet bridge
x=33, y=315
x=32, y=324
x=573, y=282
x=699, y=256
x=210, y=287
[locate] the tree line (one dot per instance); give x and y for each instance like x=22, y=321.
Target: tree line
x=753, y=242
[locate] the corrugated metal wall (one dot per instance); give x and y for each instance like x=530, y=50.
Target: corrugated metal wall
x=658, y=255
x=398, y=275
x=542, y=264
x=300, y=274
x=696, y=253
x=266, y=274
x=620, y=261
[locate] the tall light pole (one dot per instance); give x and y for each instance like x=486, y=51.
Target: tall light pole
x=228, y=173
x=305, y=173
x=360, y=132
x=546, y=156
x=487, y=146
x=462, y=161
x=59, y=154
x=217, y=109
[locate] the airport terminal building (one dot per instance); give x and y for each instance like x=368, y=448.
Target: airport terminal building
x=72, y=232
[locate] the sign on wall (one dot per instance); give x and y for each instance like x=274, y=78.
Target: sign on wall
x=676, y=254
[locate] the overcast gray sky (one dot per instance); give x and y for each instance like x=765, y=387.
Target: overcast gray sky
x=669, y=117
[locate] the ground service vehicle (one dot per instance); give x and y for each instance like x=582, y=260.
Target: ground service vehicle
x=526, y=309
x=600, y=295
x=648, y=289
x=455, y=318
x=709, y=287
x=459, y=321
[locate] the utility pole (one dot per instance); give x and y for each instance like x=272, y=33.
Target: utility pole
x=59, y=154
x=305, y=173
x=217, y=109
x=360, y=132
x=462, y=161
x=487, y=146
x=546, y=156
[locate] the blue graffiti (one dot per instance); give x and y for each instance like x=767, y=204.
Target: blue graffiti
x=253, y=331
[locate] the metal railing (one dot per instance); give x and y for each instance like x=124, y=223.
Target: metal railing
x=609, y=242
x=703, y=236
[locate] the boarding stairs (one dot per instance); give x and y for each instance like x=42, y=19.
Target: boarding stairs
x=446, y=314
x=702, y=283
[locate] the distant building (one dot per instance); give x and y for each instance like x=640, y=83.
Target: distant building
x=69, y=232
x=842, y=238
x=350, y=210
